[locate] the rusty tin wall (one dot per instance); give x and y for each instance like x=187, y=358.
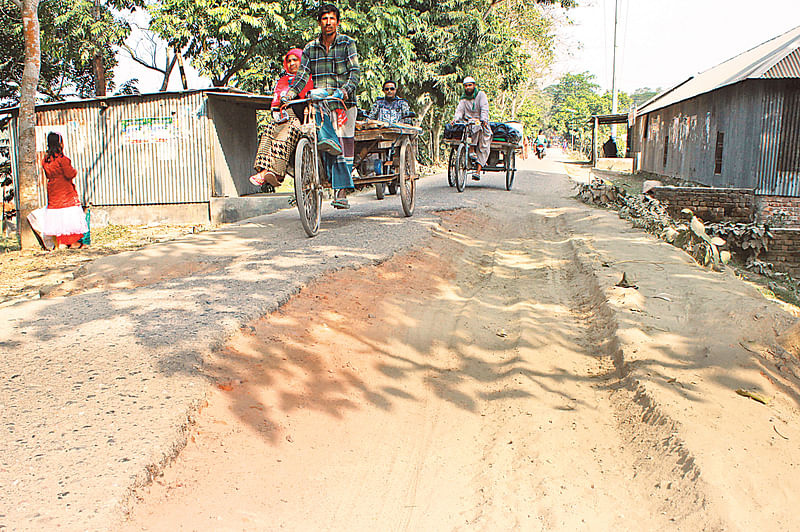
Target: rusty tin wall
x=681, y=139
x=779, y=171
x=142, y=150
x=760, y=120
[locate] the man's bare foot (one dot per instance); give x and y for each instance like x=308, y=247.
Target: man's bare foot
x=273, y=180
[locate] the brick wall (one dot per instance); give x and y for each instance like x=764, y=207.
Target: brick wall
x=709, y=204
x=784, y=251
x=768, y=206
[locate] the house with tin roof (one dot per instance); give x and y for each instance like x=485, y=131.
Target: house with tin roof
x=734, y=125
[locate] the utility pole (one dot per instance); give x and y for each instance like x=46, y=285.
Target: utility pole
x=614, y=71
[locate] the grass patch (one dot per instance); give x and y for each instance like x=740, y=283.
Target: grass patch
x=110, y=234
x=9, y=243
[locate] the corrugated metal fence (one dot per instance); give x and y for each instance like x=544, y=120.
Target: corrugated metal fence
x=145, y=150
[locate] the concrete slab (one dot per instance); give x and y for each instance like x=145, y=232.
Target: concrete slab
x=229, y=210
x=615, y=165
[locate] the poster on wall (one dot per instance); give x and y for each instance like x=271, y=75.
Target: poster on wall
x=148, y=130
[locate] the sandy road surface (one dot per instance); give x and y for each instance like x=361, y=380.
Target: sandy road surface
x=471, y=399
x=471, y=367
x=495, y=379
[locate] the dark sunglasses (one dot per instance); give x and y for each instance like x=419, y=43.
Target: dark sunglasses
x=390, y=88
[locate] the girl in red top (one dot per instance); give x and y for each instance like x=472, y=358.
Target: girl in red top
x=64, y=218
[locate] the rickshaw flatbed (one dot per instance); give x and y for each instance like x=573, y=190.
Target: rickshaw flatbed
x=392, y=145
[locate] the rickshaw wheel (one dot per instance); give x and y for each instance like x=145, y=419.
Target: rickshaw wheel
x=451, y=168
x=307, y=192
x=511, y=168
x=392, y=187
x=380, y=190
x=461, y=168
x=408, y=185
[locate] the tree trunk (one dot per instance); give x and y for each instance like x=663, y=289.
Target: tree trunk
x=168, y=72
x=423, y=113
x=98, y=65
x=181, y=69
x=99, y=75
x=436, y=131
x=26, y=147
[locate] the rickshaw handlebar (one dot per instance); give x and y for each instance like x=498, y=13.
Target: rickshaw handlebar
x=312, y=100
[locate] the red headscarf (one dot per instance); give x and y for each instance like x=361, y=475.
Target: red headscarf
x=297, y=52
x=287, y=79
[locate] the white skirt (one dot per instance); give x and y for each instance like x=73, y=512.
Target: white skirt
x=66, y=221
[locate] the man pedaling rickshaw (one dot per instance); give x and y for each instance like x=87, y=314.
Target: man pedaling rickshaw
x=473, y=108
x=331, y=60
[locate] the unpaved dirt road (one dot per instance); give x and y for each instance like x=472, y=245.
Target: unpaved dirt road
x=496, y=379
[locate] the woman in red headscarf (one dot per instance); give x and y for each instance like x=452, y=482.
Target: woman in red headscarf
x=64, y=218
x=281, y=136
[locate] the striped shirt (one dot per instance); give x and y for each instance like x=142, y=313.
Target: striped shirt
x=336, y=68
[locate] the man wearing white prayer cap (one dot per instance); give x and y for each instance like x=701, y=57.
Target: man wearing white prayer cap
x=474, y=108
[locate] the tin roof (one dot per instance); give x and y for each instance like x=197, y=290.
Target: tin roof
x=259, y=101
x=617, y=118
x=778, y=58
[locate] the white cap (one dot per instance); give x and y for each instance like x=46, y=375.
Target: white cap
x=469, y=79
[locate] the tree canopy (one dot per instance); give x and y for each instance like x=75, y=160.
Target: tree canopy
x=72, y=33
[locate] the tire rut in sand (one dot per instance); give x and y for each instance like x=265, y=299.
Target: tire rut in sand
x=661, y=460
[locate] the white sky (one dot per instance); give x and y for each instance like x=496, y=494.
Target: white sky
x=662, y=42
x=150, y=80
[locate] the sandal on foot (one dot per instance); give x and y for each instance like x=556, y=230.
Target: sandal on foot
x=341, y=203
x=258, y=179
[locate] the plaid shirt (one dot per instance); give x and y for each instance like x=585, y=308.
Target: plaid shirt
x=336, y=68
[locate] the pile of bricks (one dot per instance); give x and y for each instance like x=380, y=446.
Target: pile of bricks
x=709, y=204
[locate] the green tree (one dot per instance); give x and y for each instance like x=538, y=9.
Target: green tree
x=72, y=34
x=640, y=96
x=228, y=39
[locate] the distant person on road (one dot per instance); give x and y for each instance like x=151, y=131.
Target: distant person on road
x=610, y=148
x=64, y=218
x=391, y=108
x=474, y=108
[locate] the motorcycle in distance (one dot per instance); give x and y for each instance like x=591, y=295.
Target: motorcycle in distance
x=540, y=150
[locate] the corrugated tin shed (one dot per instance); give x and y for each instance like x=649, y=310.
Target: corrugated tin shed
x=777, y=58
x=177, y=150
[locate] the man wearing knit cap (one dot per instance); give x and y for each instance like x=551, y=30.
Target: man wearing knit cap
x=474, y=109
